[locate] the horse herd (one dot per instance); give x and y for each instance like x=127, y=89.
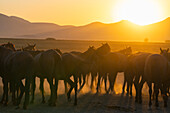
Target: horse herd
x=53, y=65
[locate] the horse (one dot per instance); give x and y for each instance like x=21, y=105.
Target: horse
x=84, y=70
x=166, y=53
x=48, y=64
x=16, y=66
x=109, y=65
x=135, y=69
x=156, y=71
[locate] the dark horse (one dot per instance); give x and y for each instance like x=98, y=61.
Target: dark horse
x=110, y=64
x=16, y=66
x=156, y=71
x=84, y=71
x=136, y=64
x=166, y=53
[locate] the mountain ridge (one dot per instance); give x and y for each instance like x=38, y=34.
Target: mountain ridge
x=16, y=27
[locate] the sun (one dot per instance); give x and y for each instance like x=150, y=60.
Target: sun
x=141, y=12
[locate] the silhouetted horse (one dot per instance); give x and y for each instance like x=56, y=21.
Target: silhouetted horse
x=96, y=58
x=16, y=66
x=84, y=70
x=156, y=71
x=135, y=69
x=166, y=53
x=48, y=65
x=110, y=64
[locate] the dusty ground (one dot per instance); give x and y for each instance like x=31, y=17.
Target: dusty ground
x=89, y=101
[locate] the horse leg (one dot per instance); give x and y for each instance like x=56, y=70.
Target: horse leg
x=140, y=90
x=92, y=79
x=150, y=93
x=98, y=83
x=3, y=96
x=33, y=86
x=6, y=91
x=80, y=80
x=112, y=79
x=51, y=100
x=65, y=84
x=42, y=89
x=164, y=92
x=75, y=99
x=12, y=83
x=84, y=80
x=124, y=84
x=22, y=88
x=69, y=81
x=27, y=90
x=136, y=84
x=56, y=88
x=156, y=92
x=105, y=82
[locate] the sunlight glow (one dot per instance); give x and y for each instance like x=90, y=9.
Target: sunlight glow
x=141, y=12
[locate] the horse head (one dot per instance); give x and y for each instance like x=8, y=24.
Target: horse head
x=9, y=45
x=104, y=49
x=164, y=52
x=127, y=51
x=29, y=47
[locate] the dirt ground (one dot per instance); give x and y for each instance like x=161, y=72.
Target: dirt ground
x=89, y=101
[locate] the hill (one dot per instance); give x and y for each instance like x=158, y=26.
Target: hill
x=123, y=30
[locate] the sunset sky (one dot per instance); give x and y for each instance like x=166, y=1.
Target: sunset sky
x=81, y=12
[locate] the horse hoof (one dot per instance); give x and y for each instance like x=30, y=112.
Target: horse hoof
x=14, y=103
x=1, y=102
x=32, y=102
x=54, y=104
x=140, y=101
x=75, y=104
x=69, y=99
x=43, y=102
x=17, y=107
x=156, y=105
x=25, y=107
x=165, y=105
x=5, y=104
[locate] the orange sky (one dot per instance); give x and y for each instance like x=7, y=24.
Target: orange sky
x=81, y=12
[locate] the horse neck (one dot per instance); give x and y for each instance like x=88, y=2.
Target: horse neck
x=124, y=52
x=86, y=54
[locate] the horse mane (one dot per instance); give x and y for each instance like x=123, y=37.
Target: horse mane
x=59, y=51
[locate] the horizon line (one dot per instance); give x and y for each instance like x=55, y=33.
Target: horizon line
x=87, y=23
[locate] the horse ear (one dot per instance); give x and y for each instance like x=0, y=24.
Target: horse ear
x=167, y=50
x=161, y=50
